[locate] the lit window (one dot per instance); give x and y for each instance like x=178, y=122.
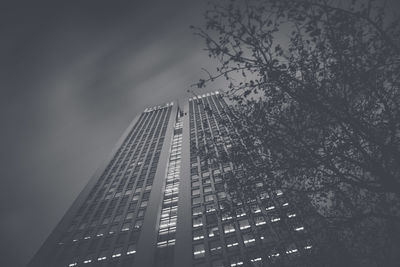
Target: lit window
x=198, y=234
x=125, y=227
x=273, y=254
x=88, y=259
x=228, y=228
x=215, y=247
x=213, y=231
x=231, y=242
x=138, y=224
x=240, y=212
x=248, y=240
x=226, y=216
x=131, y=249
x=198, y=251
x=244, y=224
x=264, y=195
x=259, y=220
x=101, y=231
x=197, y=210
x=292, y=249
x=255, y=208
x=256, y=260
x=276, y=219
x=113, y=229
x=210, y=207
x=117, y=252
x=102, y=256
x=197, y=222
x=301, y=228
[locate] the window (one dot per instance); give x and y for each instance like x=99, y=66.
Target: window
x=117, y=218
x=211, y=218
x=291, y=249
x=197, y=210
x=217, y=179
x=126, y=227
x=88, y=259
x=221, y=195
x=208, y=198
x=129, y=215
x=275, y=218
x=210, y=207
x=197, y=222
x=113, y=229
x=244, y=224
x=138, y=224
x=264, y=195
x=143, y=204
x=198, y=251
x=215, y=247
x=195, y=192
x=198, y=234
x=298, y=229
x=226, y=216
x=229, y=228
x=213, y=231
x=140, y=213
x=259, y=220
x=236, y=261
x=231, y=242
x=102, y=255
x=131, y=249
x=207, y=189
x=255, y=208
x=196, y=200
x=207, y=181
x=106, y=220
x=248, y=240
x=270, y=208
x=101, y=231
x=117, y=252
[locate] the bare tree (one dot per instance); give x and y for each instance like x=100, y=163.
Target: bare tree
x=317, y=107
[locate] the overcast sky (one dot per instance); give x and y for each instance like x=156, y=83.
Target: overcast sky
x=72, y=76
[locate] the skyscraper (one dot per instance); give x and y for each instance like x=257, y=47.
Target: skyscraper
x=161, y=200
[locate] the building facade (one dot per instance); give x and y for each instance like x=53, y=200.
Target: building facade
x=161, y=200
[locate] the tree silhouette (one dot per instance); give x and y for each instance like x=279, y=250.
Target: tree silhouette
x=315, y=89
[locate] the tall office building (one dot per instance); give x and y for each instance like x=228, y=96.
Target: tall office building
x=161, y=200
